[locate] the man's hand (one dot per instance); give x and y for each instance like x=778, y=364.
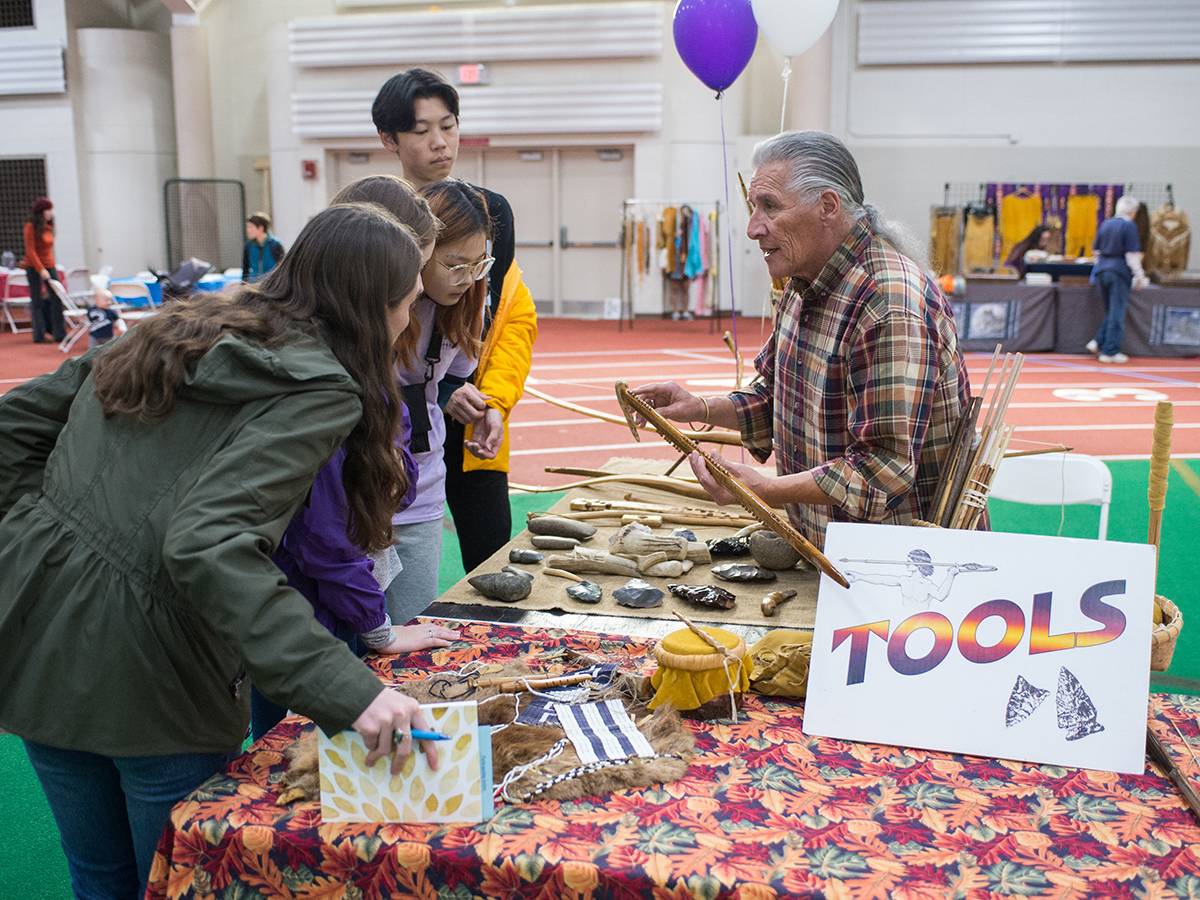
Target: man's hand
x=487, y=434
x=466, y=405
x=760, y=484
x=671, y=401
x=45, y=275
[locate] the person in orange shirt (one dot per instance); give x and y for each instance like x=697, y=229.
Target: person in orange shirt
x=44, y=307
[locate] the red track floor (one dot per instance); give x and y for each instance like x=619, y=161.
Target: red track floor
x=1102, y=410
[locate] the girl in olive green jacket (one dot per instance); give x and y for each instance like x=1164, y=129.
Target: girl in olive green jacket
x=143, y=489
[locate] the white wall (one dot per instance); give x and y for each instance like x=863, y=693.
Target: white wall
x=913, y=128
x=43, y=126
x=128, y=144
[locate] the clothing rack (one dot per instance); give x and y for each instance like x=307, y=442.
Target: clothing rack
x=1154, y=194
x=960, y=193
x=649, y=210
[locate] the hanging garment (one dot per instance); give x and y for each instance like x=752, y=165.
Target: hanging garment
x=1082, y=213
x=699, y=296
x=979, y=236
x=1141, y=219
x=944, y=239
x=666, y=238
x=693, y=267
x=1170, y=240
x=1020, y=212
x=683, y=234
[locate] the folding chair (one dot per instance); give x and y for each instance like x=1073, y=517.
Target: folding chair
x=16, y=279
x=73, y=314
x=1056, y=478
x=130, y=290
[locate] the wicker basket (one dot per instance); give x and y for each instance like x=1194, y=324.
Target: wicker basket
x=1164, y=637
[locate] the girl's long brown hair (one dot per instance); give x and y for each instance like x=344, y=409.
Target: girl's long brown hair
x=399, y=198
x=349, y=266
x=463, y=212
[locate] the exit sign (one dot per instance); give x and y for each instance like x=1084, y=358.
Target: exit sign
x=473, y=73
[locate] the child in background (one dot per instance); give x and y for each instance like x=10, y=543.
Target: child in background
x=343, y=583
x=102, y=318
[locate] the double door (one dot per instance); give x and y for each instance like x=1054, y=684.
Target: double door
x=567, y=206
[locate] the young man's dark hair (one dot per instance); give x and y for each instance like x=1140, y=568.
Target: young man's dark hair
x=392, y=110
x=260, y=220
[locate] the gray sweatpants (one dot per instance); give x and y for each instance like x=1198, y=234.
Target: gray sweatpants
x=419, y=547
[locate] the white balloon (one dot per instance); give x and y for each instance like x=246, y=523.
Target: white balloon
x=792, y=26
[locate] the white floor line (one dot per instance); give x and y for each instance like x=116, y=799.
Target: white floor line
x=587, y=448
x=1131, y=426
x=1144, y=456
x=593, y=381
x=716, y=361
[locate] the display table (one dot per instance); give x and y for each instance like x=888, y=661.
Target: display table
x=1160, y=321
x=550, y=596
x=1019, y=316
x=764, y=811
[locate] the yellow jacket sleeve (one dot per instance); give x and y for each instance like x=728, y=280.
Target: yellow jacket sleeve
x=505, y=364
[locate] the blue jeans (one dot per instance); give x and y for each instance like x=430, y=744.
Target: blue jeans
x=111, y=811
x=1115, y=288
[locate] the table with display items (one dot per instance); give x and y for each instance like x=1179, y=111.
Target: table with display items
x=1159, y=321
x=764, y=810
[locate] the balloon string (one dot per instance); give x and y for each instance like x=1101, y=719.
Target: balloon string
x=787, y=78
x=733, y=311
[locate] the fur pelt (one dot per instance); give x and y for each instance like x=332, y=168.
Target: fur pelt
x=516, y=744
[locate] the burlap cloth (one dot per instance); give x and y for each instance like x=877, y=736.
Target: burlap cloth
x=550, y=593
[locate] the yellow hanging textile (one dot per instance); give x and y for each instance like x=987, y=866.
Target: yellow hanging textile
x=779, y=663
x=944, y=240
x=1083, y=211
x=692, y=672
x=978, y=240
x=1019, y=215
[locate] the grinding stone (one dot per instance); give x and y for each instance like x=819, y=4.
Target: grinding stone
x=772, y=552
x=504, y=586
x=551, y=542
x=520, y=555
x=556, y=526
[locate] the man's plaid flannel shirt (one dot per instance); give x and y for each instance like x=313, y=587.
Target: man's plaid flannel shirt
x=863, y=383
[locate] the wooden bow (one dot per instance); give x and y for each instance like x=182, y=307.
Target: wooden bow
x=751, y=502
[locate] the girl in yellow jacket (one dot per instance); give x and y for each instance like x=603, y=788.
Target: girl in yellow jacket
x=477, y=489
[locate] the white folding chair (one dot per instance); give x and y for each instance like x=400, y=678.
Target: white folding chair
x=16, y=278
x=1055, y=479
x=79, y=284
x=131, y=290
x=73, y=314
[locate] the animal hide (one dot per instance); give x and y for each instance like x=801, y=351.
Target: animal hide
x=517, y=744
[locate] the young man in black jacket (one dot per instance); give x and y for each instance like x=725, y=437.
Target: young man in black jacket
x=416, y=115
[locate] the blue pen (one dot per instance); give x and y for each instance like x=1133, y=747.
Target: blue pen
x=419, y=734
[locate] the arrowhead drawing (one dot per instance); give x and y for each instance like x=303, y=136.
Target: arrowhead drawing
x=1023, y=700
x=1077, y=713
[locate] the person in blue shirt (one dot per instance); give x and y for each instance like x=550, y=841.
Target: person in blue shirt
x=262, y=250
x=1117, y=271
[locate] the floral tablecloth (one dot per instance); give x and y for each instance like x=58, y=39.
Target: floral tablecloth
x=764, y=811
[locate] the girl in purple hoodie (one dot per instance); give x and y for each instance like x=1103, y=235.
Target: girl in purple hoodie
x=317, y=555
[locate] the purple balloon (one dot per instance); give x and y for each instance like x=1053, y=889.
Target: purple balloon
x=715, y=39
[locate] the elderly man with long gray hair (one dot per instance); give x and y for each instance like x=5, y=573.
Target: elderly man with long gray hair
x=862, y=383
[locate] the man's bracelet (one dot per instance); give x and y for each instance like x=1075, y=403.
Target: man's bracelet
x=704, y=419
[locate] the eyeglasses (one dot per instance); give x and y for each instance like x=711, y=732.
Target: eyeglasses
x=475, y=271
